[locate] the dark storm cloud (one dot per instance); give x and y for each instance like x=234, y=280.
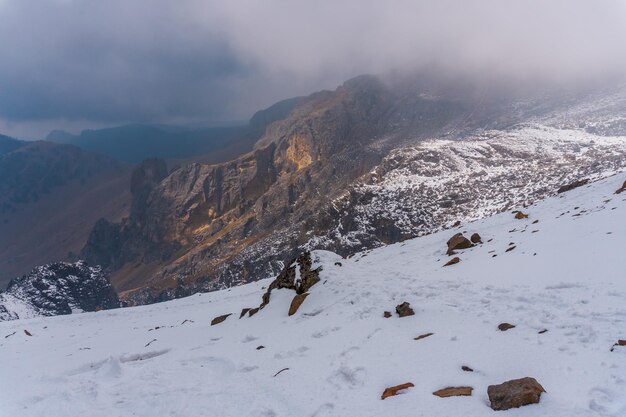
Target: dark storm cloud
x=116, y=61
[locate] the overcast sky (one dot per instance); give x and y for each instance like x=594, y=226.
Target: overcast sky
x=74, y=64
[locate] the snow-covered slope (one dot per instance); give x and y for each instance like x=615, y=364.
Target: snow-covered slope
x=565, y=274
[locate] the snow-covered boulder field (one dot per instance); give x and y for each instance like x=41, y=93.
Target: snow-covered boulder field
x=563, y=287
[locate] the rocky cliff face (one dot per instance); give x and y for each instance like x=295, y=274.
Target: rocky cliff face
x=203, y=227
x=58, y=288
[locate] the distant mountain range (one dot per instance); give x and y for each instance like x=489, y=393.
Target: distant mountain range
x=136, y=142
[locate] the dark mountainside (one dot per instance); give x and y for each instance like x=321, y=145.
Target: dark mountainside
x=50, y=197
x=59, y=288
x=134, y=143
x=8, y=144
x=204, y=227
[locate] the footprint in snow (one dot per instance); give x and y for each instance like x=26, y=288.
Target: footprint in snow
x=348, y=377
x=249, y=339
x=324, y=410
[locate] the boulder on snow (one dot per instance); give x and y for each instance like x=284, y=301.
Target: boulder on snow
x=297, y=302
x=219, y=319
x=387, y=314
x=520, y=216
x=453, y=261
x=454, y=392
x=620, y=342
x=458, y=241
x=505, y=326
x=423, y=336
x=391, y=391
x=467, y=368
x=253, y=311
x=404, y=310
x=475, y=238
x=572, y=185
x=244, y=312
x=621, y=189
x=515, y=393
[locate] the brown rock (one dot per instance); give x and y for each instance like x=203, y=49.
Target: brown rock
x=475, y=238
x=454, y=392
x=297, y=302
x=458, y=241
x=505, y=326
x=387, y=314
x=243, y=312
x=27, y=333
x=453, y=261
x=621, y=189
x=253, y=311
x=423, y=336
x=219, y=319
x=404, y=310
x=519, y=215
x=391, y=391
x=467, y=368
x=515, y=393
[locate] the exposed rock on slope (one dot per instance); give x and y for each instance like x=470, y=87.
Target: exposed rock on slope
x=58, y=288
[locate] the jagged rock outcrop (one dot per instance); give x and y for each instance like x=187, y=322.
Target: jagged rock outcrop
x=298, y=275
x=55, y=289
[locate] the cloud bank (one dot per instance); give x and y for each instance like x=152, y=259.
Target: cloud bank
x=90, y=62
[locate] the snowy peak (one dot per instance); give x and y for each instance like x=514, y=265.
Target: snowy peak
x=55, y=289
